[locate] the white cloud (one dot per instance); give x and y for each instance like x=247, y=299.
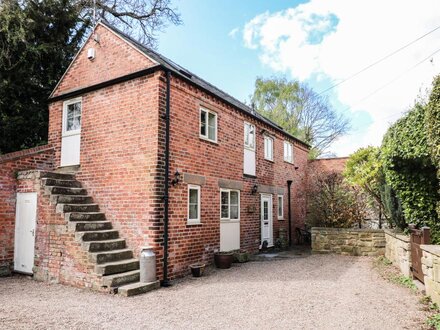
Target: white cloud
x=334, y=39
x=233, y=33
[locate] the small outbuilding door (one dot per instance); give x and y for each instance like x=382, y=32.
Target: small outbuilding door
x=25, y=221
x=71, y=134
x=266, y=220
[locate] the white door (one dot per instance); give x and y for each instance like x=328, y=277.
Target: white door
x=266, y=220
x=229, y=220
x=25, y=221
x=71, y=133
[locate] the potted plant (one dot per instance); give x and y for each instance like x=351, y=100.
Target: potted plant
x=223, y=260
x=197, y=269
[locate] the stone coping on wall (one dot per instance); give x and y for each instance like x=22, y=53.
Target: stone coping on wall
x=433, y=249
x=347, y=230
x=397, y=234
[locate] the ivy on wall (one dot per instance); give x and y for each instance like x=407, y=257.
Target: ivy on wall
x=410, y=171
x=432, y=123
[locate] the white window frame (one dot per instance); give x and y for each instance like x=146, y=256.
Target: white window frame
x=65, y=132
x=206, y=136
x=228, y=219
x=255, y=136
x=268, y=141
x=198, y=220
x=280, y=216
x=287, y=146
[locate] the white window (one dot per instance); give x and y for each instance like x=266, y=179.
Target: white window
x=208, y=125
x=229, y=204
x=72, y=116
x=280, y=207
x=249, y=136
x=288, y=152
x=193, y=204
x=268, y=148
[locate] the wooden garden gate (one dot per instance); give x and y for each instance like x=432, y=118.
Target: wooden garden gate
x=418, y=237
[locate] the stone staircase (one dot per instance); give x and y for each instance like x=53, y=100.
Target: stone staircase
x=113, y=261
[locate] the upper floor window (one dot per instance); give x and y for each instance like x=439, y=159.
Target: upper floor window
x=249, y=136
x=288, y=152
x=229, y=204
x=268, y=148
x=72, y=116
x=208, y=125
x=193, y=204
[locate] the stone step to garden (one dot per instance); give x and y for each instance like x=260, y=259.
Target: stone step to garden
x=98, y=246
x=116, y=280
x=133, y=289
x=54, y=175
x=90, y=225
x=84, y=216
x=71, y=199
x=116, y=267
x=65, y=190
x=61, y=183
x=101, y=235
x=110, y=256
x=65, y=208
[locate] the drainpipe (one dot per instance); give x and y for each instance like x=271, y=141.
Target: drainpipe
x=165, y=281
x=289, y=184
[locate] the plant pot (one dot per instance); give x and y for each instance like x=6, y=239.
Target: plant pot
x=223, y=260
x=197, y=270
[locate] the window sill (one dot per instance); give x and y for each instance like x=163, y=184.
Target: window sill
x=288, y=162
x=269, y=160
x=250, y=176
x=193, y=223
x=208, y=140
x=280, y=219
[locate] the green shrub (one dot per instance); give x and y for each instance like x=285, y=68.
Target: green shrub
x=409, y=169
x=434, y=321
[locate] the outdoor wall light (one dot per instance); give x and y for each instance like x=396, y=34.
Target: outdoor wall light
x=176, y=179
x=254, y=189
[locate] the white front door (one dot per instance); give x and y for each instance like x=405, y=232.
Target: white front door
x=25, y=221
x=71, y=134
x=266, y=220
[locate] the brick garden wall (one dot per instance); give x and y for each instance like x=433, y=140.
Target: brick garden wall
x=354, y=242
x=36, y=158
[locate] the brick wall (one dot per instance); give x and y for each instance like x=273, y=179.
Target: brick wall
x=114, y=58
x=224, y=160
x=328, y=165
x=40, y=157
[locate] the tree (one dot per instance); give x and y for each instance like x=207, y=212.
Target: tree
x=38, y=39
x=364, y=169
x=333, y=203
x=300, y=111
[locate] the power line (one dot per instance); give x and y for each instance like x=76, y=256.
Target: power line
x=391, y=82
x=378, y=61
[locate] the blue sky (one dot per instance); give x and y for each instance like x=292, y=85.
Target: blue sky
x=230, y=43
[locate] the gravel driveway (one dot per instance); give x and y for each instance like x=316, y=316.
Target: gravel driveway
x=313, y=292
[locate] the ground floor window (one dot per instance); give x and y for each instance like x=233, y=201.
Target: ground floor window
x=229, y=204
x=193, y=204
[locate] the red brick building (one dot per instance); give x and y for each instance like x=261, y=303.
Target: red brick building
x=160, y=158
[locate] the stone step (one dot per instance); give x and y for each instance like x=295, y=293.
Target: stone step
x=71, y=199
x=65, y=208
x=90, y=225
x=61, y=183
x=136, y=288
x=116, y=267
x=55, y=175
x=55, y=190
x=116, y=280
x=84, y=216
x=102, y=235
x=110, y=256
x=108, y=245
